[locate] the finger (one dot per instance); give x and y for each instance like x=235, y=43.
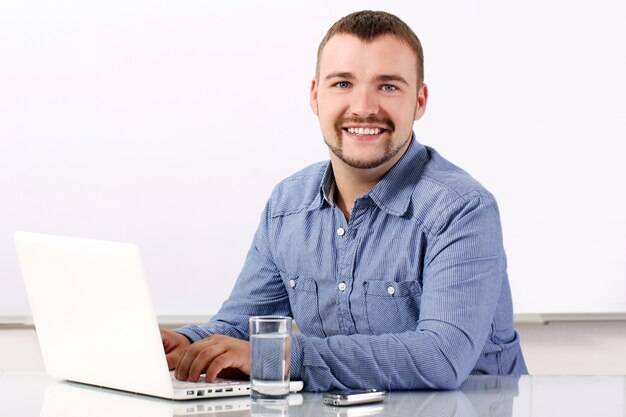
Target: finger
x=187, y=359
x=167, y=343
x=184, y=362
x=219, y=363
x=172, y=358
x=189, y=353
x=232, y=373
x=187, y=356
x=202, y=361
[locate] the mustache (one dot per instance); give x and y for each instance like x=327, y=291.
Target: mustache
x=386, y=122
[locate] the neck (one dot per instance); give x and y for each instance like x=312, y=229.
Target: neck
x=351, y=183
x=349, y=187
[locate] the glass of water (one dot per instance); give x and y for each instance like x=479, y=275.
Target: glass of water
x=270, y=355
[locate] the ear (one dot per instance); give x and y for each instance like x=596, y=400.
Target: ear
x=422, y=99
x=313, y=98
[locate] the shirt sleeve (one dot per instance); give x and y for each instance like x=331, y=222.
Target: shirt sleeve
x=258, y=291
x=464, y=267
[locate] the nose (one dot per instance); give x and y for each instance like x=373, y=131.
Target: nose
x=364, y=103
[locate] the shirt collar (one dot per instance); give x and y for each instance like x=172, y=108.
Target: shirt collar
x=393, y=192
x=326, y=191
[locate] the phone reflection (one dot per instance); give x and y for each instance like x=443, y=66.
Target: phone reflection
x=479, y=396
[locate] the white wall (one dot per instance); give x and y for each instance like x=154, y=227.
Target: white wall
x=575, y=348
x=168, y=123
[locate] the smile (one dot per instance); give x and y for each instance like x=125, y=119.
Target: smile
x=364, y=130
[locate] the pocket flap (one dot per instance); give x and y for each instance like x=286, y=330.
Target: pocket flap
x=391, y=288
x=297, y=283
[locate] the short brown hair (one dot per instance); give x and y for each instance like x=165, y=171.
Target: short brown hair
x=368, y=25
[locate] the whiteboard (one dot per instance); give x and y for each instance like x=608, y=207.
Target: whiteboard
x=167, y=124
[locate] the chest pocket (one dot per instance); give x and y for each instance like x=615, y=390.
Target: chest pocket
x=304, y=300
x=391, y=307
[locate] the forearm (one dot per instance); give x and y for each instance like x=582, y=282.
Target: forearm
x=421, y=359
x=197, y=332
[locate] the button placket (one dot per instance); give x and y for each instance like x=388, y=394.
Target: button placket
x=345, y=267
x=343, y=278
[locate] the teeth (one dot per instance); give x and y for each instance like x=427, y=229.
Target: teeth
x=364, y=130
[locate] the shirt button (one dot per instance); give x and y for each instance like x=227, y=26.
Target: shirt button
x=342, y=286
x=341, y=231
x=292, y=283
x=391, y=290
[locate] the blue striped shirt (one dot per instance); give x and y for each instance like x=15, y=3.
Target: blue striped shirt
x=411, y=293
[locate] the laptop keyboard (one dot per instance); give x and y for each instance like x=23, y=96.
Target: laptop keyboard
x=204, y=384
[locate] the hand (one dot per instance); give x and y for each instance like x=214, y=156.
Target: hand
x=174, y=345
x=213, y=356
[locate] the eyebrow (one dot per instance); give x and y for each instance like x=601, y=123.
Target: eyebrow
x=392, y=77
x=346, y=75
x=381, y=78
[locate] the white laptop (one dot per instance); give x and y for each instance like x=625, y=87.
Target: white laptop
x=95, y=321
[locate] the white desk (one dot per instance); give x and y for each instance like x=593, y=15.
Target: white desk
x=35, y=394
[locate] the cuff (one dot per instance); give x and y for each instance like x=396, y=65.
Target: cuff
x=190, y=333
x=297, y=356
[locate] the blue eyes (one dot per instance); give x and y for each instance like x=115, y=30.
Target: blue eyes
x=385, y=87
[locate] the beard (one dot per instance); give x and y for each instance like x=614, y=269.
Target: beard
x=389, y=151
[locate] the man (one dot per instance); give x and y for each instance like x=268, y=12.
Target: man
x=388, y=257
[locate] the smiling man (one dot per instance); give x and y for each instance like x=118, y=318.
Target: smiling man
x=389, y=257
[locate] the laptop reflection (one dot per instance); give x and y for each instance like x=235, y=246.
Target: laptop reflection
x=70, y=399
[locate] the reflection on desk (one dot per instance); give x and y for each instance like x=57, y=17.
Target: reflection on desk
x=478, y=396
x=74, y=400
x=34, y=394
